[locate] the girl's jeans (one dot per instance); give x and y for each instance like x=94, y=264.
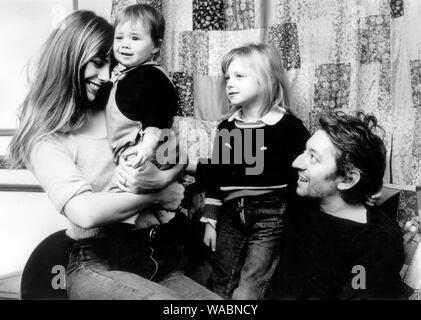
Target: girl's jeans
x=248, y=245
x=90, y=275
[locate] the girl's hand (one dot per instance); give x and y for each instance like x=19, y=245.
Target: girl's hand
x=170, y=197
x=210, y=237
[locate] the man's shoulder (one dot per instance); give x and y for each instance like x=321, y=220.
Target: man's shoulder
x=382, y=236
x=379, y=221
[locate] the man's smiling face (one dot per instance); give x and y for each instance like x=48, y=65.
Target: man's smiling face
x=317, y=168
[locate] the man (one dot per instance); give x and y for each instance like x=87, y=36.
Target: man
x=337, y=246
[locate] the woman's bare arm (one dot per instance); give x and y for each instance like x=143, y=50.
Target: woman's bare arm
x=72, y=195
x=94, y=209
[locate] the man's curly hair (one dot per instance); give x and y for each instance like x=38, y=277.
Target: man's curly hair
x=359, y=146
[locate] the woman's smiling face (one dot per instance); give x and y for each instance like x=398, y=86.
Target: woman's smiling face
x=97, y=72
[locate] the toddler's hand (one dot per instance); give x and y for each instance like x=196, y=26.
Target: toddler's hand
x=210, y=237
x=141, y=156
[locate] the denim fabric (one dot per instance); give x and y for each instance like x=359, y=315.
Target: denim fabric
x=248, y=247
x=94, y=273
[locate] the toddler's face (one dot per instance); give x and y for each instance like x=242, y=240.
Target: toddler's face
x=133, y=44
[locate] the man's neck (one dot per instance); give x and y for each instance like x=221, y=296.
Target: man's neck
x=337, y=207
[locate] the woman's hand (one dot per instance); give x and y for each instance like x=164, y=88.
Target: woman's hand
x=134, y=180
x=210, y=237
x=148, y=179
x=170, y=197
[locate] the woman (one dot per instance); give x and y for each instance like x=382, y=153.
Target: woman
x=62, y=140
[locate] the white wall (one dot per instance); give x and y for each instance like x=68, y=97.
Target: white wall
x=26, y=218
x=100, y=7
x=24, y=26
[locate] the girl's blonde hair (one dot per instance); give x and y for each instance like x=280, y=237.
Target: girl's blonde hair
x=57, y=99
x=267, y=62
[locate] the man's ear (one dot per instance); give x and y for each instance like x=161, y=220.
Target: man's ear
x=351, y=179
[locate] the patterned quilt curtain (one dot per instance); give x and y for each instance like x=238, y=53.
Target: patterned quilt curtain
x=340, y=54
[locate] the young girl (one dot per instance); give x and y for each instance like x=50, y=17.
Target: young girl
x=248, y=198
x=143, y=100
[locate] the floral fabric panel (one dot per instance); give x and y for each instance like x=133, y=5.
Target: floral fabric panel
x=409, y=221
x=313, y=120
x=396, y=8
x=239, y=14
x=416, y=82
x=408, y=209
x=374, y=40
x=285, y=38
x=332, y=86
x=416, y=153
x=194, y=52
x=183, y=83
x=208, y=15
x=349, y=55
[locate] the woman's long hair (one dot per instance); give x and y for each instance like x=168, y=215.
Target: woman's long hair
x=57, y=99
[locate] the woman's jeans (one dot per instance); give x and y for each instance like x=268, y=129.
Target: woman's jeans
x=248, y=244
x=94, y=272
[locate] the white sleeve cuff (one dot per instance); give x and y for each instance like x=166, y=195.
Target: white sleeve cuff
x=213, y=202
x=212, y=222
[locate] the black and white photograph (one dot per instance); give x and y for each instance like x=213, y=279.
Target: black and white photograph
x=223, y=153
